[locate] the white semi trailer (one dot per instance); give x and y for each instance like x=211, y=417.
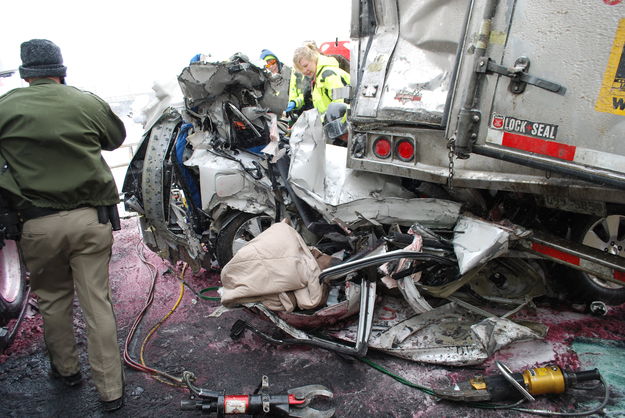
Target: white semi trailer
x=514, y=107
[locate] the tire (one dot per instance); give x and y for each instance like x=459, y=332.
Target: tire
x=13, y=288
x=606, y=234
x=238, y=232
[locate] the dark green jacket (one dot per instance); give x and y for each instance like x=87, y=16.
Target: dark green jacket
x=51, y=137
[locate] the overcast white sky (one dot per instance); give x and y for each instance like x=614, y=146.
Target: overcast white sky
x=118, y=47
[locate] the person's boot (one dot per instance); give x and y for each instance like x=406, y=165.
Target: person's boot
x=114, y=405
x=71, y=380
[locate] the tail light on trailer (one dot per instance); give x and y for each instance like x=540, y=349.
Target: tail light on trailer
x=404, y=149
x=382, y=147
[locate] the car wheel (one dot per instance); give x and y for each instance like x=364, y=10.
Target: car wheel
x=606, y=234
x=13, y=286
x=238, y=232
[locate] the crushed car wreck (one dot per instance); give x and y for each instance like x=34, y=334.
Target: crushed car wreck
x=416, y=235
x=212, y=177
x=435, y=244
x=203, y=193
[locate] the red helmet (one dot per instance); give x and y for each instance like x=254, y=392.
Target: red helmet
x=336, y=48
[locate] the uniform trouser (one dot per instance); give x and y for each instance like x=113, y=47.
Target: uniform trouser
x=66, y=251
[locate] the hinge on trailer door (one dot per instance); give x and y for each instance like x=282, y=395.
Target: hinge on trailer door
x=519, y=75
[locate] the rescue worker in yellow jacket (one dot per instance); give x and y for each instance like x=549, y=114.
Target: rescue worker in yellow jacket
x=300, y=98
x=325, y=74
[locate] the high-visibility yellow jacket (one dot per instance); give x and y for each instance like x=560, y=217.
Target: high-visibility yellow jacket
x=299, y=91
x=328, y=77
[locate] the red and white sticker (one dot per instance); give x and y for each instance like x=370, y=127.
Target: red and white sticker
x=539, y=138
x=511, y=124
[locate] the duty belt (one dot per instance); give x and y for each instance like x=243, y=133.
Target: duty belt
x=35, y=212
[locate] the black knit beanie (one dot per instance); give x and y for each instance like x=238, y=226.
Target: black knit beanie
x=41, y=58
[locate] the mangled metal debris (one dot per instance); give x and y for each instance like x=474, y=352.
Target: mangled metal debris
x=446, y=335
x=455, y=333
x=210, y=178
x=319, y=177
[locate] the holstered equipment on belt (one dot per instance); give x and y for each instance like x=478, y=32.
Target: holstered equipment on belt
x=110, y=214
x=9, y=223
x=10, y=193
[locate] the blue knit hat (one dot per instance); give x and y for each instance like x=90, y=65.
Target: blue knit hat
x=266, y=54
x=41, y=58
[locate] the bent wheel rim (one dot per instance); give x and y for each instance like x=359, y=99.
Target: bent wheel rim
x=10, y=272
x=608, y=235
x=249, y=230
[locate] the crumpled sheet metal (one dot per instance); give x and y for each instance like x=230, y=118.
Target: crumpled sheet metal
x=319, y=170
x=223, y=181
x=495, y=333
x=308, y=152
x=406, y=285
x=276, y=93
x=476, y=242
x=204, y=81
x=319, y=176
x=447, y=335
x=429, y=212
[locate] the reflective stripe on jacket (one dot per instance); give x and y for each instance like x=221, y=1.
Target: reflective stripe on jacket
x=328, y=77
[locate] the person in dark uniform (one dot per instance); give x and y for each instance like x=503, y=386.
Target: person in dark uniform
x=51, y=138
